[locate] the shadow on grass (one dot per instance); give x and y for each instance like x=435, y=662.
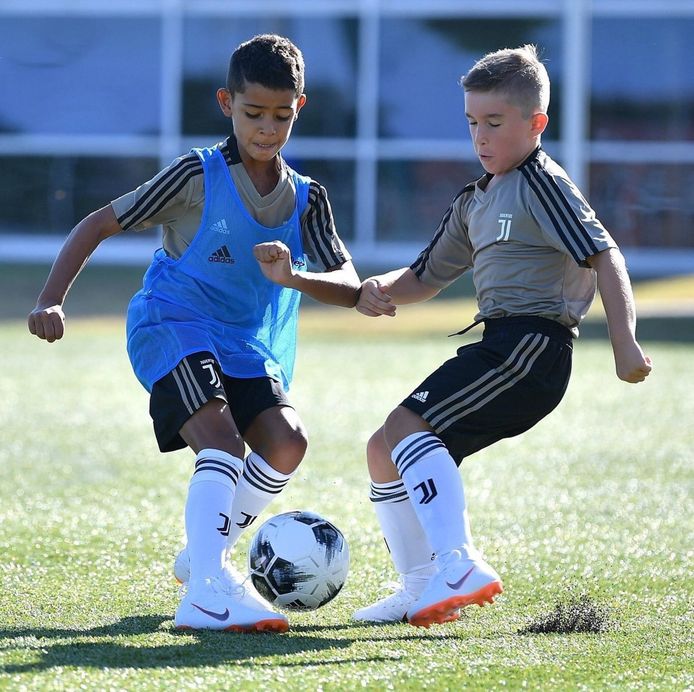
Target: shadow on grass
x=115, y=646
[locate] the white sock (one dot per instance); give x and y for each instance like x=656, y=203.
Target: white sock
x=405, y=539
x=436, y=491
x=208, y=509
x=258, y=486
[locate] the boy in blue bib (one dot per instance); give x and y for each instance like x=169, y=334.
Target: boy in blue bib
x=212, y=333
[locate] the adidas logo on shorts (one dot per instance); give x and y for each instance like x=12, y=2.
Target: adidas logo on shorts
x=420, y=396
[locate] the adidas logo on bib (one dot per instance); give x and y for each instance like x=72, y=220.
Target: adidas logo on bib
x=220, y=227
x=222, y=255
x=420, y=396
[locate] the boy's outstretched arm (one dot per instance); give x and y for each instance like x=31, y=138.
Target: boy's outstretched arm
x=618, y=300
x=47, y=319
x=380, y=294
x=338, y=286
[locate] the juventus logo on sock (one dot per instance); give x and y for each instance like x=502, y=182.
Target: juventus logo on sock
x=224, y=528
x=429, y=491
x=248, y=519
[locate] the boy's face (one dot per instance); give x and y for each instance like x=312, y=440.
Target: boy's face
x=502, y=137
x=263, y=118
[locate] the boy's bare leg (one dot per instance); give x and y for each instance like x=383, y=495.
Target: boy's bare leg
x=278, y=435
x=278, y=442
x=212, y=427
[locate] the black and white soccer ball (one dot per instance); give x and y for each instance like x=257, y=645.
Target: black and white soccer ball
x=298, y=560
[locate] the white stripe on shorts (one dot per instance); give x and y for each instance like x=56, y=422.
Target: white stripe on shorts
x=193, y=381
x=489, y=386
x=186, y=387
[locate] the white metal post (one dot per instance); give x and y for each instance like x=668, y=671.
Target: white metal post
x=575, y=91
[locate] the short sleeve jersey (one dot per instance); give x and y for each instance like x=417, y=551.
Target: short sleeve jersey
x=175, y=198
x=526, y=240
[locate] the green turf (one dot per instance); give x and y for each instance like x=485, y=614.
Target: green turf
x=595, y=501
x=665, y=306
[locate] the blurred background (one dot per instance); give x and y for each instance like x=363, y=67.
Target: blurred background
x=98, y=96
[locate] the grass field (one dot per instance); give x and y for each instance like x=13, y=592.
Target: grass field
x=594, y=501
x=664, y=305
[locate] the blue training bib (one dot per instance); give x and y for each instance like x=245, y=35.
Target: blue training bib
x=214, y=297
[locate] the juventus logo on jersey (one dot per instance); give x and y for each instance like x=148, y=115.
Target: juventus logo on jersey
x=504, y=221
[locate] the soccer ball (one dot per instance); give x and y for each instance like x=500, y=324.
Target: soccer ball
x=298, y=560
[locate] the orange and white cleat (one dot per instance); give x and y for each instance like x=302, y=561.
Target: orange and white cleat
x=460, y=582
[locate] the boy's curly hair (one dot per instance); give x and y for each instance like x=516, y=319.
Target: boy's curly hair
x=268, y=59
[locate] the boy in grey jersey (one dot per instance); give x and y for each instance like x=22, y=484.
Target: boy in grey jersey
x=537, y=254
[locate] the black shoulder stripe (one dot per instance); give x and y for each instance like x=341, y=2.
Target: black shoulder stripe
x=319, y=225
x=160, y=202
x=188, y=167
x=557, y=226
x=419, y=264
x=317, y=220
x=576, y=222
x=567, y=225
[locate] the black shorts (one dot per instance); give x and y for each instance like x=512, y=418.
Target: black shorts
x=196, y=380
x=498, y=387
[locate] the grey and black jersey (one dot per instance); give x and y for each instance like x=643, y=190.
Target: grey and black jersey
x=175, y=198
x=526, y=238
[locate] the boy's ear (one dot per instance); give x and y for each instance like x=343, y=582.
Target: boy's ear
x=225, y=101
x=538, y=123
x=300, y=104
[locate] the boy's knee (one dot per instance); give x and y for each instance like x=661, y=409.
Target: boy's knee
x=376, y=447
x=402, y=422
x=212, y=427
x=381, y=468
x=279, y=437
x=285, y=452
x=296, y=444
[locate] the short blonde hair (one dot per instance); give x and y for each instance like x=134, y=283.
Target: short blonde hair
x=518, y=73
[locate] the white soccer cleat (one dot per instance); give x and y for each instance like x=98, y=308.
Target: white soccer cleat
x=210, y=604
x=230, y=577
x=392, y=608
x=460, y=582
